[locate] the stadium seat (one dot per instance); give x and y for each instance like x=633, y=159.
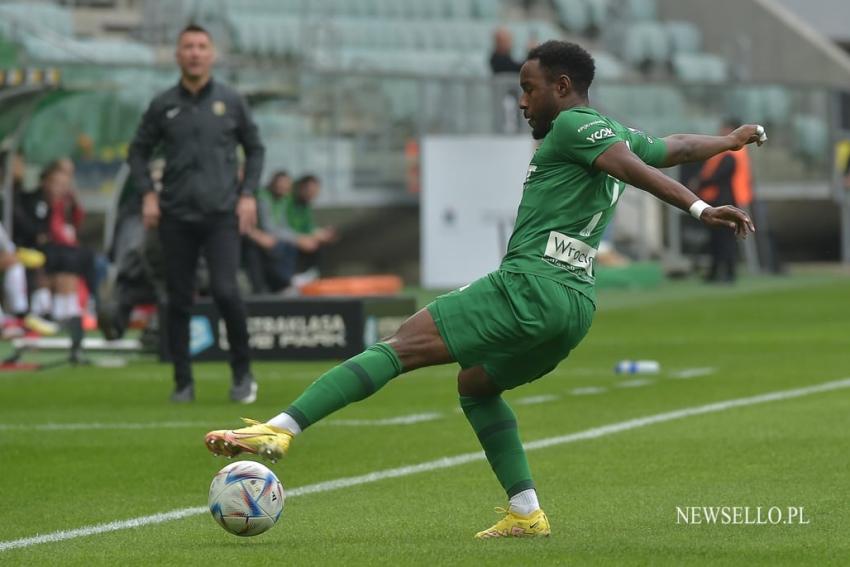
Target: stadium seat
x=700, y=68
x=574, y=14
x=811, y=138
x=540, y=31
x=599, y=13
x=684, y=37
x=486, y=9
x=639, y=10
x=645, y=44
x=776, y=101
x=608, y=66
x=459, y=9
x=19, y=19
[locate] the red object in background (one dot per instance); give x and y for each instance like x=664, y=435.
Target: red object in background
x=354, y=286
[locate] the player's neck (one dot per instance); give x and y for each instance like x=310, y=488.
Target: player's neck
x=574, y=101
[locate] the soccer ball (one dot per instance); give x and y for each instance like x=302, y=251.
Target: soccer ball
x=246, y=498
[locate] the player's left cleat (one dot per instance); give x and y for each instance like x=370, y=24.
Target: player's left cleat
x=261, y=439
x=535, y=524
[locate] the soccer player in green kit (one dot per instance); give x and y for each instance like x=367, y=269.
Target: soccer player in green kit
x=518, y=323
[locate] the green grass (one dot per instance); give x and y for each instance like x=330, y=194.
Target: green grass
x=611, y=500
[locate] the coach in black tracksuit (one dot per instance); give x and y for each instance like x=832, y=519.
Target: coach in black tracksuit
x=203, y=205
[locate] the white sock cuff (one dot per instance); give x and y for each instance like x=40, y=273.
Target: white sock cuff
x=524, y=502
x=285, y=421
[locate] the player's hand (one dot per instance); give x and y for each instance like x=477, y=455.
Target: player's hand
x=246, y=210
x=150, y=209
x=307, y=243
x=729, y=217
x=747, y=134
x=325, y=235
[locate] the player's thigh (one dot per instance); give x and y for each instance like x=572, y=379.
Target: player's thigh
x=418, y=343
x=566, y=318
x=477, y=320
x=508, y=372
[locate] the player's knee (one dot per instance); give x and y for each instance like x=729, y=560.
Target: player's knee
x=474, y=382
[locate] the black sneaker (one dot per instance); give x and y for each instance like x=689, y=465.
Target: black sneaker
x=184, y=395
x=244, y=391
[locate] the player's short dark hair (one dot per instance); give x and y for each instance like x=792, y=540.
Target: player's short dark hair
x=194, y=28
x=565, y=58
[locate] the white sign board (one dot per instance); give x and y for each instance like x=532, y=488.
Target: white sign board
x=471, y=188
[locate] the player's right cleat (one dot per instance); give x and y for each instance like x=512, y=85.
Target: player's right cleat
x=261, y=439
x=535, y=524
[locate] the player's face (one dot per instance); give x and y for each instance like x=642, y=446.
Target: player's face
x=539, y=101
x=282, y=186
x=195, y=54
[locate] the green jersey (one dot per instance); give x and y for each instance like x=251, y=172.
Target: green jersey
x=567, y=203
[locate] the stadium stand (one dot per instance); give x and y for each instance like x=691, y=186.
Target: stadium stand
x=45, y=31
x=403, y=68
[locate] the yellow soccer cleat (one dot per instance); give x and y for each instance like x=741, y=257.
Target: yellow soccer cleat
x=535, y=524
x=41, y=326
x=261, y=439
x=30, y=258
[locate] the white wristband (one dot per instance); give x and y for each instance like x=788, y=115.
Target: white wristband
x=697, y=208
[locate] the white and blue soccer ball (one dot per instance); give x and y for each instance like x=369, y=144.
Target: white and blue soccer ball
x=246, y=498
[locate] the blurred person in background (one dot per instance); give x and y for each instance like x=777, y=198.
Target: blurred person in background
x=203, y=205
x=501, y=58
x=725, y=179
x=13, y=265
x=503, y=64
x=66, y=260
x=272, y=247
x=310, y=238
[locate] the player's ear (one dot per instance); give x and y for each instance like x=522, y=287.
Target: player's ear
x=565, y=85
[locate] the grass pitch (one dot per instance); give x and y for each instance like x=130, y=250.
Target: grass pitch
x=87, y=446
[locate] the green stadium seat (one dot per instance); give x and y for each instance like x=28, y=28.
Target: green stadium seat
x=19, y=19
x=608, y=67
x=599, y=12
x=645, y=43
x=776, y=102
x=700, y=68
x=811, y=138
x=684, y=37
x=574, y=14
x=540, y=31
x=486, y=9
x=460, y=9
x=639, y=10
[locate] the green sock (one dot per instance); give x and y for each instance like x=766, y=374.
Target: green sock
x=353, y=380
x=495, y=425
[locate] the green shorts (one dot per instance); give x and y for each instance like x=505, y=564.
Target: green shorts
x=517, y=326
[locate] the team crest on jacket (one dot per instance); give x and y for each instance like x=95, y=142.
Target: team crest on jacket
x=219, y=108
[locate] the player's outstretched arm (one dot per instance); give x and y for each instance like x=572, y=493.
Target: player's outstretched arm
x=684, y=148
x=619, y=162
